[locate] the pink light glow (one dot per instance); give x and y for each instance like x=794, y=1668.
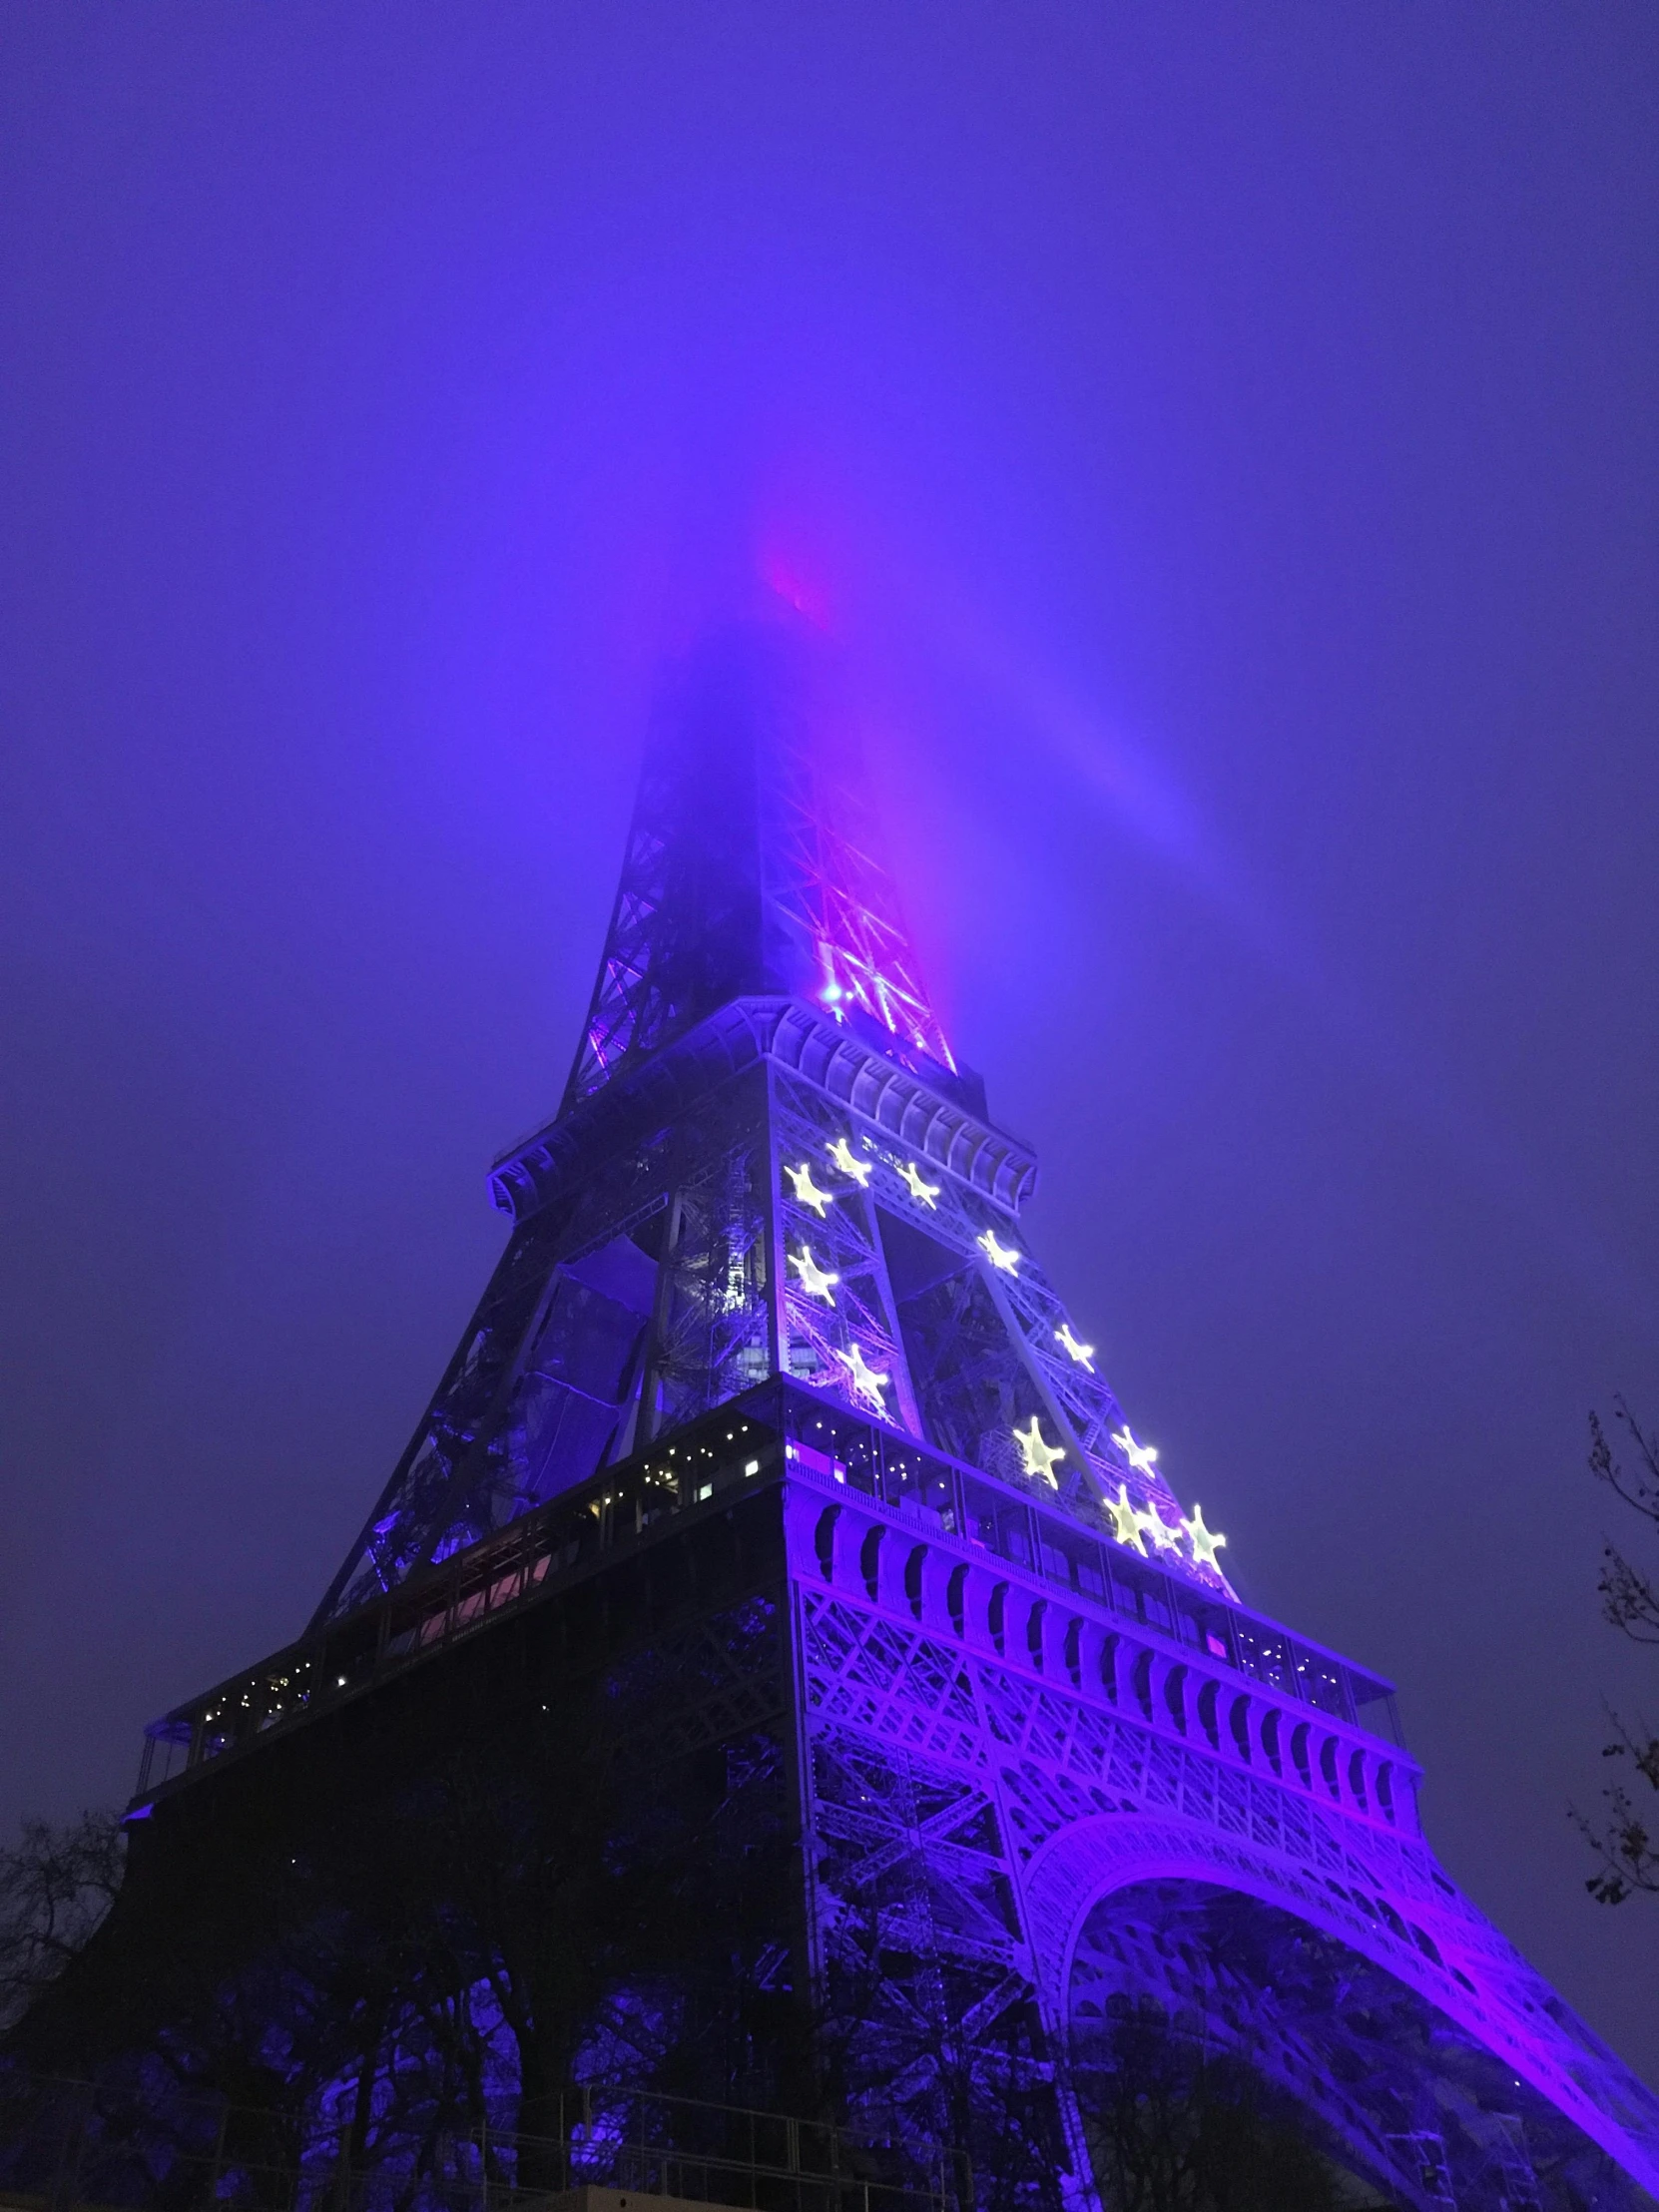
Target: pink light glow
x=784, y=575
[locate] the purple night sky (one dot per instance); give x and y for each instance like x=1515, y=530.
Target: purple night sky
x=1224, y=443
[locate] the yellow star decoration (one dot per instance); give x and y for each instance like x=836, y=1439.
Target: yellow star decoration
x=1082, y=1354
x=1159, y=1529
x=1205, y=1545
x=863, y=1377
x=813, y=1279
x=840, y=1152
x=926, y=1193
x=1126, y=1522
x=1142, y=1458
x=806, y=1192
x=999, y=1255
x=1037, y=1457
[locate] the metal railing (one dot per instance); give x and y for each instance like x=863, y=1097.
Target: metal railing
x=68, y=2146
x=742, y=1444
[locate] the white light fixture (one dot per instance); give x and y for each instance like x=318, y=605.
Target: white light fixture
x=1082, y=1354
x=1142, y=1458
x=1038, y=1459
x=806, y=1192
x=840, y=1152
x=863, y=1377
x=999, y=1255
x=924, y=1193
x=816, y=1282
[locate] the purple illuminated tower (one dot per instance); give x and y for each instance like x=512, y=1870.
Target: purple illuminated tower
x=766, y=1276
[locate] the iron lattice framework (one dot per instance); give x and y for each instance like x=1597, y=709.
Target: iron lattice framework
x=1047, y=1765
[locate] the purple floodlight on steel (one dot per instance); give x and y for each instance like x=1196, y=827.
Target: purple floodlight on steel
x=828, y=862
x=1047, y=1767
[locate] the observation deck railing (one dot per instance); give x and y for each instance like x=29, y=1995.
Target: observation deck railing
x=69, y=2145
x=776, y=1427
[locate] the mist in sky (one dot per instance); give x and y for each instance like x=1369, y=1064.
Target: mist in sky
x=1223, y=445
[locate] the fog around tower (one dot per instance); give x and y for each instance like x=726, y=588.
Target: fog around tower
x=1223, y=465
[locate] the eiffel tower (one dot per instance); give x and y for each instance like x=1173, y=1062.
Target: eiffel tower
x=769, y=1400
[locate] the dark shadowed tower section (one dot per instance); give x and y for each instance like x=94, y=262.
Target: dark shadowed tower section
x=771, y=1405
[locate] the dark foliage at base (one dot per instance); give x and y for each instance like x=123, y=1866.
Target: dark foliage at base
x=1174, y=2128
x=437, y=1924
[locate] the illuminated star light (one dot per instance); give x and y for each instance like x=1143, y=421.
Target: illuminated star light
x=1126, y=1521
x=813, y=1279
x=806, y=1192
x=1205, y=1545
x=1082, y=1354
x=926, y=1193
x=999, y=1255
x=863, y=1377
x=1039, y=1457
x=1142, y=1458
x=1159, y=1529
x=841, y=1153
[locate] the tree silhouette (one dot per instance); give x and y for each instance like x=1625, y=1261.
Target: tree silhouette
x=56, y=1886
x=1174, y=2128
x=1624, y=1839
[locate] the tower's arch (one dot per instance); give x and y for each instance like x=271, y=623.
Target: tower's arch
x=1445, y=2086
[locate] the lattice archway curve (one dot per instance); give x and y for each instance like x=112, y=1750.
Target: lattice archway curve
x=1564, y=2073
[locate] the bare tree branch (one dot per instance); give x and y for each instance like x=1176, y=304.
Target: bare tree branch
x=1624, y=1841
x=55, y=1888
